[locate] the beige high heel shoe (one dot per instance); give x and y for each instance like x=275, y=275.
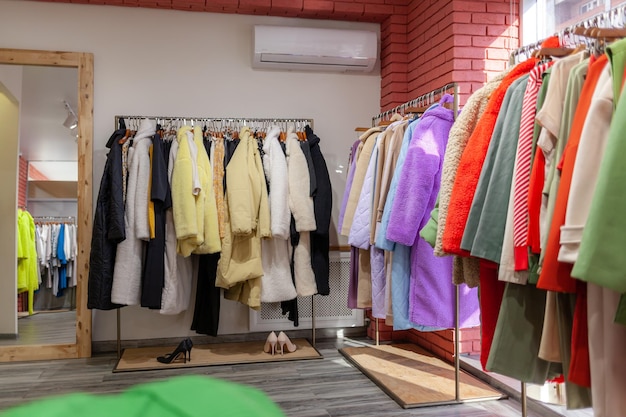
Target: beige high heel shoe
x=270, y=344
x=283, y=341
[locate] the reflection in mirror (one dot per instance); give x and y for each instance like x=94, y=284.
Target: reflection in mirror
x=47, y=173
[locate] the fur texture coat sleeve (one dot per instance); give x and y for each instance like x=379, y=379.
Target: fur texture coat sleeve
x=300, y=200
x=275, y=166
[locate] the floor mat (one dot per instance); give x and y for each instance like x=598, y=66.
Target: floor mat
x=414, y=377
x=143, y=359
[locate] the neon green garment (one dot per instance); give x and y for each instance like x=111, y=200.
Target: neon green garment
x=27, y=276
x=186, y=396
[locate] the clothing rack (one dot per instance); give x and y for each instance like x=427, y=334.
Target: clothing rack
x=58, y=219
x=615, y=17
x=218, y=123
x=215, y=123
x=422, y=101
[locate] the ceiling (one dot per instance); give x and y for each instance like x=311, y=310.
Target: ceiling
x=44, y=142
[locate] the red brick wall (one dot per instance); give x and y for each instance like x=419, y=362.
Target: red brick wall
x=22, y=186
x=463, y=41
x=22, y=302
x=441, y=343
x=393, y=61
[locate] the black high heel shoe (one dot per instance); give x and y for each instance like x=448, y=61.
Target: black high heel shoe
x=189, y=345
x=182, y=348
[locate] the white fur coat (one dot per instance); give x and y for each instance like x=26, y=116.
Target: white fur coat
x=276, y=284
x=128, y=260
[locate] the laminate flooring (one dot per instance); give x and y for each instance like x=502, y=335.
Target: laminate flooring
x=311, y=388
x=45, y=328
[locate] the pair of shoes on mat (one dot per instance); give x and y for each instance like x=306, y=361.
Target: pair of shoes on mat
x=283, y=342
x=183, y=348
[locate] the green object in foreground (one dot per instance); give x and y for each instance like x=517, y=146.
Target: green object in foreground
x=186, y=396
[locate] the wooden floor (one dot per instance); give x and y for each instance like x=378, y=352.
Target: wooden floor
x=45, y=328
x=310, y=388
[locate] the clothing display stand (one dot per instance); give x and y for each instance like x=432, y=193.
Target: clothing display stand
x=418, y=106
x=214, y=123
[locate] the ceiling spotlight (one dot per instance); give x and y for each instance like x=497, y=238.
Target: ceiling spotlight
x=71, y=121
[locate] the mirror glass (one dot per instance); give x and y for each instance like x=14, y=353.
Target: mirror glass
x=47, y=173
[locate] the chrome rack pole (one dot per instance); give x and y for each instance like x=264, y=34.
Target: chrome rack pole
x=457, y=376
x=119, y=334
x=377, y=333
x=313, y=320
x=523, y=400
x=457, y=365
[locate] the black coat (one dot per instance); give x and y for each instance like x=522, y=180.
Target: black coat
x=108, y=228
x=323, y=205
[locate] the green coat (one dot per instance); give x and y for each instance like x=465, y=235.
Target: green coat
x=484, y=230
x=187, y=396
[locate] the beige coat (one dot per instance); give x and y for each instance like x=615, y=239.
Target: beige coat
x=387, y=158
x=368, y=140
x=247, y=220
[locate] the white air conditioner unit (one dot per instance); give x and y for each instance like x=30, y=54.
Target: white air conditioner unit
x=310, y=49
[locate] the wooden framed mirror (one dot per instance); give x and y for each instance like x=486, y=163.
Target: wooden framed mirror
x=83, y=62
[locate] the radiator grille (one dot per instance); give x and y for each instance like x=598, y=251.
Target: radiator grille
x=330, y=311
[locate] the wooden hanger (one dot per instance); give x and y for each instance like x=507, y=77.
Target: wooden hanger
x=608, y=33
x=418, y=110
x=125, y=138
x=361, y=129
x=552, y=52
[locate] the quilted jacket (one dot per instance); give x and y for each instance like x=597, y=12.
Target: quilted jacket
x=108, y=228
x=360, y=231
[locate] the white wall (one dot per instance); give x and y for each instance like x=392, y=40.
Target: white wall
x=11, y=76
x=174, y=63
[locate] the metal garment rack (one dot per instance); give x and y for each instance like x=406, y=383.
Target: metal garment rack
x=615, y=17
x=424, y=102
x=215, y=123
x=60, y=219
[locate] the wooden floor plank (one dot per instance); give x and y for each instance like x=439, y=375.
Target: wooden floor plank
x=330, y=387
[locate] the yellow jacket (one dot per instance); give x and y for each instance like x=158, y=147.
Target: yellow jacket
x=193, y=199
x=247, y=220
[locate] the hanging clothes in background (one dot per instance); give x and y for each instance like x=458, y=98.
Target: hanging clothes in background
x=56, y=271
x=221, y=229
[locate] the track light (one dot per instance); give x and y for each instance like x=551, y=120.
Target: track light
x=71, y=121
